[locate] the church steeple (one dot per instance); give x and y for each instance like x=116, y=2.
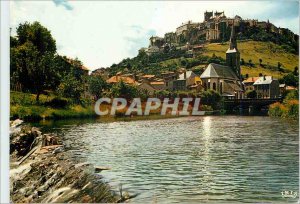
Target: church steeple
x=233, y=55
x=233, y=44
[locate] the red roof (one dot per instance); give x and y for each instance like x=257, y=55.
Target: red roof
x=116, y=79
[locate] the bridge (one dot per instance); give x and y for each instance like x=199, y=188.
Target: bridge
x=250, y=104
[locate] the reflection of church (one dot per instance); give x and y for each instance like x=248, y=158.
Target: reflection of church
x=225, y=80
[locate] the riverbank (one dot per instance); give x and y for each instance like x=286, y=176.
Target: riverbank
x=41, y=170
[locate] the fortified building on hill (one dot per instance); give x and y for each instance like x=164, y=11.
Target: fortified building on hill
x=215, y=27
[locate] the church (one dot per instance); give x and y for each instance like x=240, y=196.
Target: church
x=226, y=80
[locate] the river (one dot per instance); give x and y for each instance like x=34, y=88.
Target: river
x=191, y=159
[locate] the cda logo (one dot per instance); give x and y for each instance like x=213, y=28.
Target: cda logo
x=179, y=106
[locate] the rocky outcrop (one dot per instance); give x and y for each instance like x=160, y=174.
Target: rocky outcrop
x=41, y=171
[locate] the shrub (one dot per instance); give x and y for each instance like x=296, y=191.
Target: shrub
x=251, y=94
x=292, y=109
x=276, y=109
x=58, y=102
x=206, y=108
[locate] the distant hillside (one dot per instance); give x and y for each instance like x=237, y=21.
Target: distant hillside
x=268, y=52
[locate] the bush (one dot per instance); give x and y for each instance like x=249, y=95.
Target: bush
x=251, y=94
x=276, y=109
x=58, y=102
x=290, y=109
x=206, y=108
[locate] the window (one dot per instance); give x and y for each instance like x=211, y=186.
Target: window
x=221, y=87
x=214, y=86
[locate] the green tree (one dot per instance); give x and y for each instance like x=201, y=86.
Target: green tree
x=242, y=61
x=96, y=86
x=291, y=80
x=70, y=87
x=36, y=72
x=251, y=94
x=32, y=54
x=279, y=66
x=295, y=72
x=38, y=35
x=211, y=98
x=124, y=91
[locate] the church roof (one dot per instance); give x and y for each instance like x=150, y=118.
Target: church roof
x=218, y=71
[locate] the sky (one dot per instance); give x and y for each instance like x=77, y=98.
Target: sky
x=101, y=33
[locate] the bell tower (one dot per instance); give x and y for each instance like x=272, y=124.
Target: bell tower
x=233, y=54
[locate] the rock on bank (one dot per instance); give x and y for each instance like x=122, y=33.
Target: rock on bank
x=41, y=171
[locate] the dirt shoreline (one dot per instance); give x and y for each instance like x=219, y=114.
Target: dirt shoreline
x=41, y=171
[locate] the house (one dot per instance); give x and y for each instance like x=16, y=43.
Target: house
x=169, y=78
x=248, y=83
x=282, y=89
x=146, y=87
x=118, y=77
x=158, y=85
x=186, y=80
x=267, y=87
x=226, y=80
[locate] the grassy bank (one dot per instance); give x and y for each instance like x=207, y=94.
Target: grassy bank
x=24, y=106
x=288, y=109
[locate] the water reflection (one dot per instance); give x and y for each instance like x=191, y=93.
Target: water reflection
x=193, y=159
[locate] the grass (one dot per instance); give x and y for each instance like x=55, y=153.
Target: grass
x=24, y=106
x=270, y=54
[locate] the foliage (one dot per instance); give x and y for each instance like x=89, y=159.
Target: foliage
x=251, y=94
x=211, y=98
x=294, y=94
x=123, y=90
x=70, y=87
x=97, y=85
x=291, y=80
x=38, y=35
x=58, y=102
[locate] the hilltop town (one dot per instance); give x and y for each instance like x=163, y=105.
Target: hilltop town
x=216, y=27
x=189, y=43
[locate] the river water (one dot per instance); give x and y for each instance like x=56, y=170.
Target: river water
x=192, y=159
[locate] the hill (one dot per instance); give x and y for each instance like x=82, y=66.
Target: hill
x=268, y=52
x=251, y=52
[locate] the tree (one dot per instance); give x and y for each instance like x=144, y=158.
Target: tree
x=291, y=80
x=242, y=61
x=32, y=54
x=124, y=91
x=36, y=72
x=279, y=66
x=211, y=98
x=250, y=62
x=295, y=72
x=96, y=86
x=70, y=87
x=251, y=94
x=38, y=35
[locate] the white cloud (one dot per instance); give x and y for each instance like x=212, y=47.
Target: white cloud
x=102, y=33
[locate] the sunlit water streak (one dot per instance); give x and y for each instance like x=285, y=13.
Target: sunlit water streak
x=193, y=159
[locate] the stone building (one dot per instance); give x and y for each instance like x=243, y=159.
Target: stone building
x=267, y=87
x=225, y=79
